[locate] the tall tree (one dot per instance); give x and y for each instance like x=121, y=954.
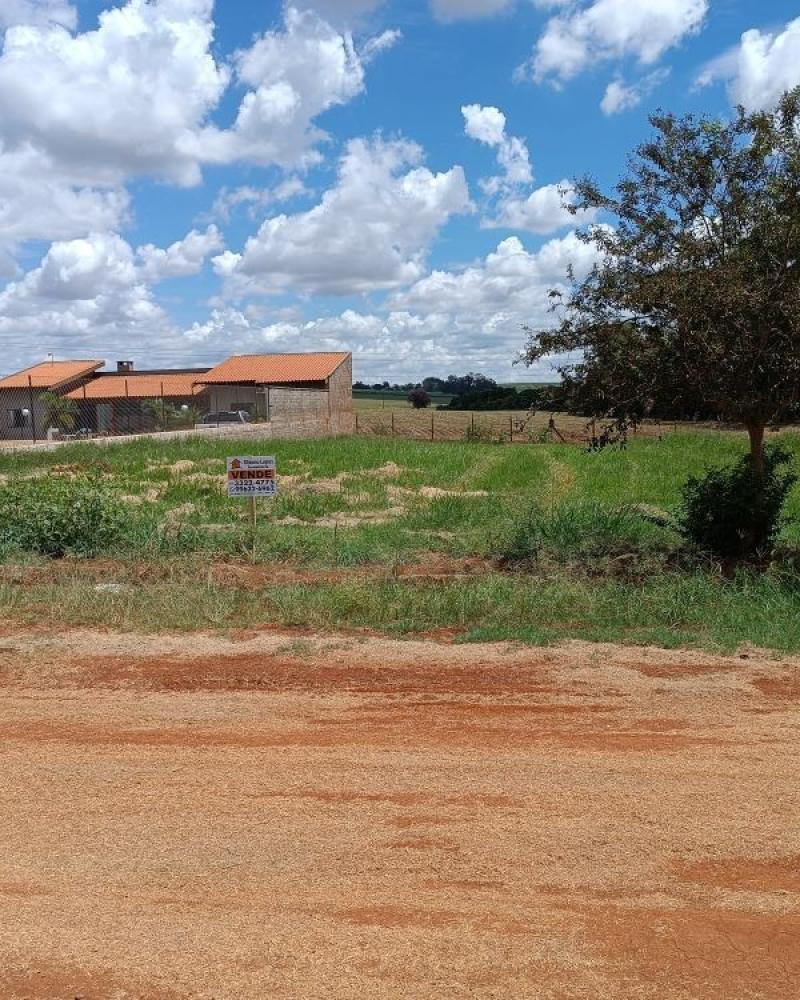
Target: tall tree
x=696, y=292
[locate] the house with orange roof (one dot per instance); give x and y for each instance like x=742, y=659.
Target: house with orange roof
x=127, y=401
x=288, y=394
x=23, y=412
x=287, y=390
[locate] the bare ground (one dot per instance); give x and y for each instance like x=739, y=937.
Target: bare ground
x=336, y=817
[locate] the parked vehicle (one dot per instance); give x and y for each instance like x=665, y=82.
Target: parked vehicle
x=227, y=417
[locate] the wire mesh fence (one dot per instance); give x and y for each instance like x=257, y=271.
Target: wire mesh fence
x=30, y=414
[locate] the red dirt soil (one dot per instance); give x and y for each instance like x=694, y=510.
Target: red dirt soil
x=201, y=818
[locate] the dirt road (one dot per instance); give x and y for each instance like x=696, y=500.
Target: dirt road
x=277, y=816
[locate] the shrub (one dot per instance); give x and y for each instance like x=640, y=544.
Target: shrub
x=56, y=516
x=733, y=514
x=419, y=399
x=476, y=434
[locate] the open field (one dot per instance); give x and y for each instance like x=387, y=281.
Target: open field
x=401, y=537
x=396, y=417
x=296, y=817
x=226, y=776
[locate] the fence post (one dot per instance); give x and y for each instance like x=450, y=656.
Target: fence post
x=511, y=429
x=472, y=423
x=432, y=428
x=33, y=413
x=356, y=421
x=392, y=423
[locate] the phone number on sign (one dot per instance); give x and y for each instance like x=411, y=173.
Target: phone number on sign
x=262, y=487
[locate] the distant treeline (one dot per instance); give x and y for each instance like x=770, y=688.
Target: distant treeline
x=580, y=395
x=472, y=391
x=502, y=397
x=453, y=385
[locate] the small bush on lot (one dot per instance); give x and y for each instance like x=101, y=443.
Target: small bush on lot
x=732, y=514
x=583, y=531
x=56, y=516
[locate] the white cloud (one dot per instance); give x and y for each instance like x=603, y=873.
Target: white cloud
x=488, y=125
x=38, y=203
x=135, y=96
x=620, y=96
x=41, y=12
x=470, y=318
x=86, y=297
x=370, y=231
x=373, y=47
x=183, y=258
x=295, y=75
x=510, y=280
x=543, y=211
x=83, y=114
x=75, y=270
x=93, y=297
x=760, y=68
x=509, y=202
x=127, y=98
x=586, y=33
x=468, y=10
x=255, y=198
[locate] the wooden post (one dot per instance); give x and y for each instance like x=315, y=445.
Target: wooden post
x=432, y=427
x=511, y=429
x=392, y=423
x=33, y=414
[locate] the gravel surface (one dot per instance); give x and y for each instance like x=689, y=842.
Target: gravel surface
x=306, y=817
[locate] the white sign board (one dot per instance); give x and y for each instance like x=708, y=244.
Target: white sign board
x=249, y=476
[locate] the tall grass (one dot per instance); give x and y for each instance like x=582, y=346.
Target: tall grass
x=696, y=610
x=596, y=569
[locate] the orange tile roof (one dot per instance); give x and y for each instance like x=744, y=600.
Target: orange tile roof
x=50, y=374
x=263, y=369
x=141, y=386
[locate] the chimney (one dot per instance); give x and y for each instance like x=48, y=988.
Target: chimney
x=124, y=366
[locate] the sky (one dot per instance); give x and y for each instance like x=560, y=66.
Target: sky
x=181, y=181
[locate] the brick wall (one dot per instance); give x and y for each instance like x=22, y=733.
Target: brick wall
x=342, y=414
x=298, y=405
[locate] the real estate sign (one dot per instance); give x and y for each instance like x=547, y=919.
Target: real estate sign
x=250, y=476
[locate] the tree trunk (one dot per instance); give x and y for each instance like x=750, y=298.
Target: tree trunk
x=756, y=434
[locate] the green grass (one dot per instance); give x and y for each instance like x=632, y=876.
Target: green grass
x=602, y=574
x=694, y=610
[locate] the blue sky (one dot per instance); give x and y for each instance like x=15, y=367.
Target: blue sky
x=179, y=182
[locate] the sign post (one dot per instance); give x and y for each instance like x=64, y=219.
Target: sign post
x=251, y=477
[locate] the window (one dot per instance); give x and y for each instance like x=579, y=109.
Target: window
x=19, y=418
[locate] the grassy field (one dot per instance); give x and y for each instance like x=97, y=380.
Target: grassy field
x=401, y=536
x=397, y=418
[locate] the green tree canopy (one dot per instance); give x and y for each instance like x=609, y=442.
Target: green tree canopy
x=695, y=296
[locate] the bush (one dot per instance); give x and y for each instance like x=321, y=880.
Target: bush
x=419, y=399
x=731, y=513
x=56, y=516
